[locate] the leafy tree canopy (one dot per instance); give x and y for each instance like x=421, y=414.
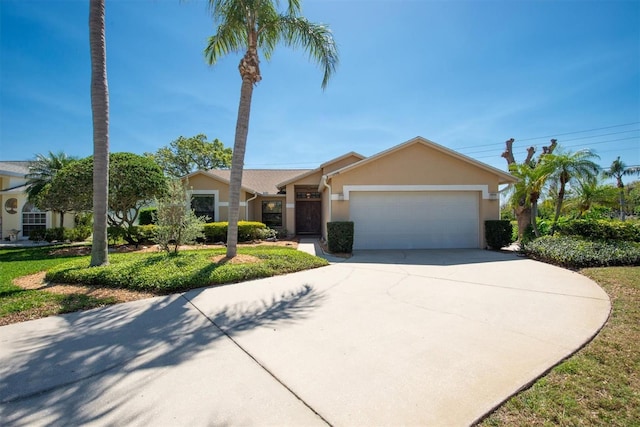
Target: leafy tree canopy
x=186, y=155
x=42, y=169
x=134, y=181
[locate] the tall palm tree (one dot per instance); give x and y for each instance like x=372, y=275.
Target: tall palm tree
x=254, y=26
x=617, y=170
x=100, y=113
x=567, y=167
x=41, y=172
x=527, y=191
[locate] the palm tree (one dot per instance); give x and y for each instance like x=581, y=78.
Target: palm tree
x=249, y=27
x=100, y=113
x=589, y=193
x=617, y=170
x=41, y=172
x=532, y=179
x=567, y=167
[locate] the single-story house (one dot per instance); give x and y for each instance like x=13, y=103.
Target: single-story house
x=18, y=216
x=416, y=195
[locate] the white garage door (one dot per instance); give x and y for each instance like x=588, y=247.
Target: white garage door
x=415, y=219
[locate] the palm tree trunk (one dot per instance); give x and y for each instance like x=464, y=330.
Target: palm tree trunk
x=622, y=214
x=523, y=215
x=100, y=113
x=237, y=165
x=558, y=207
x=534, y=217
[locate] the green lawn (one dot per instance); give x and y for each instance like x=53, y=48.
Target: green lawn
x=29, y=304
x=600, y=384
x=155, y=272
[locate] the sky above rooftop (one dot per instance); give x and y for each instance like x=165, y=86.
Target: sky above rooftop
x=467, y=75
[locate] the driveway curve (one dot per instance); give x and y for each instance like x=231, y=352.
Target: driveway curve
x=424, y=337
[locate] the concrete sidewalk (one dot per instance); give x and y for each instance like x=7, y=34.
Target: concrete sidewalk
x=384, y=338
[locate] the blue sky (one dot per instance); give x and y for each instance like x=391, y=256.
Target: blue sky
x=465, y=74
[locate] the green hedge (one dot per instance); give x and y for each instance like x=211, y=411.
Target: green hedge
x=576, y=252
x=601, y=229
x=137, y=234
x=498, y=233
x=61, y=234
x=214, y=232
x=340, y=236
x=147, y=216
x=247, y=231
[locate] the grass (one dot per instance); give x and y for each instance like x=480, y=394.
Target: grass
x=155, y=272
x=163, y=273
x=600, y=384
x=33, y=303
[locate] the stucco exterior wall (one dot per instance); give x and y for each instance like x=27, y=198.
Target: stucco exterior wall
x=414, y=165
x=339, y=164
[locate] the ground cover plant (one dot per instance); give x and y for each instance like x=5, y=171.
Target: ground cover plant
x=23, y=304
x=577, y=252
x=164, y=273
x=600, y=384
x=144, y=274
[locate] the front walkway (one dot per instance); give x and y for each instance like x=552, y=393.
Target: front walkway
x=382, y=338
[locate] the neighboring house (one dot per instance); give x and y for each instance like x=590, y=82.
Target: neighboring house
x=415, y=195
x=17, y=216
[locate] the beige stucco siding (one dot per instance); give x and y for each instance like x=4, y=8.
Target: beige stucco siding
x=415, y=165
x=418, y=165
x=339, y=164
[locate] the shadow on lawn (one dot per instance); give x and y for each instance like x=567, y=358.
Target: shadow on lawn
x=32, y=253
x=52, y=370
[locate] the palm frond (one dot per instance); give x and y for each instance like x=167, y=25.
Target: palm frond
x=316, y=39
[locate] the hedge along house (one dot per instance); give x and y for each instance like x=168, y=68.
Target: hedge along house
x=18, y=216
x=416, y=195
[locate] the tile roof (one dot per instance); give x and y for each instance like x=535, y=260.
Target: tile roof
x=261, y=180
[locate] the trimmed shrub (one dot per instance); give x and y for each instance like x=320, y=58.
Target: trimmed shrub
x=78, y=234
x=144, y=233
x=115, y=235
x=340, y=236
x=576, y=252
x=54, y=234
x=498, y=233
x=247, y=230
x=601, y=229
x=37, y=235
x=215, y=232
x=134, y=235
x=147, y=216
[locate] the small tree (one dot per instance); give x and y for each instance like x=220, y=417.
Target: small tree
x=176, y=223
x=186, y=155
x=526, y=190
x=134, y=181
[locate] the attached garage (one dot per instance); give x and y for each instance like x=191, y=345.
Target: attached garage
x=415, y=219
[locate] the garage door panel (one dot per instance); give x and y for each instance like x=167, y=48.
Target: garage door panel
x=415, y=220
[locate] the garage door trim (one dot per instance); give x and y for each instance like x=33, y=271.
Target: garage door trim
x=483, y=188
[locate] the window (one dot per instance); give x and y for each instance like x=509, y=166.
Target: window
x=32, y=219
x=302, y=195
x=272, y=213
x=204, y=205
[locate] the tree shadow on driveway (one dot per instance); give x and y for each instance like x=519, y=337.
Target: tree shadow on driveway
x=65, y=362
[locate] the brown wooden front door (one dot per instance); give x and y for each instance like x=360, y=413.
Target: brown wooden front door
x=308, y=216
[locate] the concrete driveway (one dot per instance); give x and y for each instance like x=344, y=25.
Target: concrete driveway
x=385, y=338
